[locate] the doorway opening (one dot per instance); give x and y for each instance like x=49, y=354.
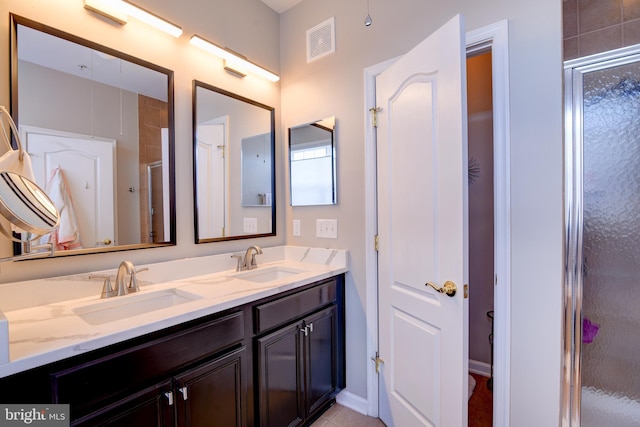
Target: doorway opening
x=481, y=237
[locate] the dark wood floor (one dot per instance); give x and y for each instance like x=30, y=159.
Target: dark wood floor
x=481, y=404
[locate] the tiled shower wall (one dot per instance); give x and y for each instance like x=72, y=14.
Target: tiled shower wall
x=594, y=26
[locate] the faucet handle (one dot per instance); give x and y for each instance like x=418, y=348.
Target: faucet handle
x=239, y=257
x=133, y=283
x=107, y=289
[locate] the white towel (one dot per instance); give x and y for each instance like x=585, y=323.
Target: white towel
x=67, y=235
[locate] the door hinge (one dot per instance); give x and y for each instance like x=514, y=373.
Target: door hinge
x=374, y=116
x=466, y=291
x=376, y=243
x=378, y=361
x=222, y=148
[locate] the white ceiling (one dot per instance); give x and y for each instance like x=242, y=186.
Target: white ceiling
x=281, y=5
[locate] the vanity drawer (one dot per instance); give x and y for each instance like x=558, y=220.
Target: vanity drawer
x=287, y=309
x=95, y=383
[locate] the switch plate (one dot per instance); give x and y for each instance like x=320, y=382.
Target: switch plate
x=296, y=227
x=251, y=225
x=327, y=228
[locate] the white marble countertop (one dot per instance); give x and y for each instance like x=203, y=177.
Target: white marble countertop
x=54, y=329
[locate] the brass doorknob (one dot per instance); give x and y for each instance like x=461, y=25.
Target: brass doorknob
x=449, y=288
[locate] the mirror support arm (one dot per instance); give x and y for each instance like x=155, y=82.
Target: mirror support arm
x=43, y=251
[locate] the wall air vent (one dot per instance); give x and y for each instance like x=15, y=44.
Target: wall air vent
x=321, y=40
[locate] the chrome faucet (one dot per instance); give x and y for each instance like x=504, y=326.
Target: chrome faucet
x=126, y=267
x=248, y=260
x=250, y=257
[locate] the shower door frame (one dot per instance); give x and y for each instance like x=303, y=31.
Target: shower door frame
x=573, y=220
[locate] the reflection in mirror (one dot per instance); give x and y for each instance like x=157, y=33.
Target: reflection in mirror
x=98, y=124
x=234, y=177
x=312, y=158
x=31, y=212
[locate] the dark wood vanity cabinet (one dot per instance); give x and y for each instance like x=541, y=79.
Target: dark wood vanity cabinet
x=275, y=362
x=197, y=377
x=211, y=394
x=300, y=364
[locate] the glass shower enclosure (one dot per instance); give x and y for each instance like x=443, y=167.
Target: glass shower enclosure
x=602, y=236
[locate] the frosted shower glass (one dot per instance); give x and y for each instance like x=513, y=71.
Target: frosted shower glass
x=611, y=246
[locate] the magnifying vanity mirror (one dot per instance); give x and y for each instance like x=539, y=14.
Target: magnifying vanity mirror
x=312, y=162
x=99, y=123
x=234, y=175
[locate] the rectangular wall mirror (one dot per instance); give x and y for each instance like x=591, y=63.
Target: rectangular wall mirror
x=234, y=175
x=100, y=123
x=312, y=161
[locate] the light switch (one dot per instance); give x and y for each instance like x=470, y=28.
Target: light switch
x=296, y=227
x=251, y=225
x=327, y=228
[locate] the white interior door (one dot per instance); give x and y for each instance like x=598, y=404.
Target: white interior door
x=88, y=165
x=211, y=169
x=422, y=228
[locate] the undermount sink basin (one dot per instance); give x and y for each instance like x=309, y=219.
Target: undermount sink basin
x=122, y=307
x=268, y=274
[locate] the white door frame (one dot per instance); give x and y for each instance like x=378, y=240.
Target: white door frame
x=494, y=36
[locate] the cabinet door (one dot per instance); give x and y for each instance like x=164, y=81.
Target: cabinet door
x=150, y=407
x=320, y=359
x=213, y=394
x=280, y=377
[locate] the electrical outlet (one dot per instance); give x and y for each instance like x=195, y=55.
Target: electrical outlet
x=327, y=228
x=296, y=227
x=251, y=225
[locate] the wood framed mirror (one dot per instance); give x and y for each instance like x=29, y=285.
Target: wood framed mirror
x=234, y=166
x=100, y=123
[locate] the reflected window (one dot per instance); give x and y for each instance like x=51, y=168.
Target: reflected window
x=312, y=163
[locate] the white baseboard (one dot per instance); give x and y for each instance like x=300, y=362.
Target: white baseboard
x=353, y=401
x=361, y=405
x=480, y=368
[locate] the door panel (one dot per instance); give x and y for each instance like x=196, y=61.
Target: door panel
x=415, y=381
x=212, y=394
x=280, y=377
x=321, y=358
x=211, y=171
x=88, y=166
x=147, y=408
x=422, y=227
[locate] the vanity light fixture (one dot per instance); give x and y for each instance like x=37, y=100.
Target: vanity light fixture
x=233, y=61
x=121, y=10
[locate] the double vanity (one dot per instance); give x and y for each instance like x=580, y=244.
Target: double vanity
x=199, y=341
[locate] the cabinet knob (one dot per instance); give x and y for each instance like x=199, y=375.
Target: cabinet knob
x=169, y=396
